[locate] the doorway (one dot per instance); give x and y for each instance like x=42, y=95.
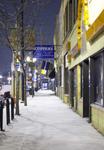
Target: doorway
x=85, y=88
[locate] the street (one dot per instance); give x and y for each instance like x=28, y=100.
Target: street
x=49, y=124
x=51, y=75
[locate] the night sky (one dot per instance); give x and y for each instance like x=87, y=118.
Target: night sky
x=38, y=13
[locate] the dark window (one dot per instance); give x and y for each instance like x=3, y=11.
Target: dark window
x=66, y=18
x=66, y=76
x=99, y=79
x=70, y=15
x=75, y=10
x=81, y=79
x=64, y=25
x=60, y=78
x=66, y=81
x=71, y=87
x=75, y=82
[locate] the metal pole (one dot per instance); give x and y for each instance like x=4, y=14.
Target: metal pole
x=1, y=116
x=12, y=108
x=7, y=110
x=22, y=52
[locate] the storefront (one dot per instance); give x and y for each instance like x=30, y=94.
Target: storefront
x=73, y=88
x=96, y=89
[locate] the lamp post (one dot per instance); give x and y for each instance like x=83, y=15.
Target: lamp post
x=9, y=80
x=31, y=62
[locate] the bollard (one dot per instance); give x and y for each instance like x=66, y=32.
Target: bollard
x=12, y=108
x=1, y=115
x=7, y=111
x=7, y=96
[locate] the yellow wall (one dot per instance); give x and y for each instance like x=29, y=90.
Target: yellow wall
x=95, y=8
x=92, y=49
x=97, y=117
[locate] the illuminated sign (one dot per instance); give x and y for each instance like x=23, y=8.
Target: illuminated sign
x=44, y=52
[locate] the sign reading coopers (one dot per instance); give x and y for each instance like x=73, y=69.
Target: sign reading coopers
x=44, y=52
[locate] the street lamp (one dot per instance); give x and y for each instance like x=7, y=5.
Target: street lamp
x=28, y=59
x=34, y=60
x=31, y=63
x=1, y=76
x=9, y=80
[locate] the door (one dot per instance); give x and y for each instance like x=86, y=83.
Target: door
x=85, y=88
x=71, y=87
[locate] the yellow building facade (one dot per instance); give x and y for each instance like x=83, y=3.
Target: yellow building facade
x=80, y=58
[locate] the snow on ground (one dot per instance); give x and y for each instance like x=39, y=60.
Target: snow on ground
x=48, y=124
x=5, y=88
x=45, y=92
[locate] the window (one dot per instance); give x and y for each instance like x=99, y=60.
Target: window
x=81, y=81
x=60, y=78
x=66, y=12
x=99, y=79
x=66, y=75
x=75, y=8
x=70, y=16
x=75, y=82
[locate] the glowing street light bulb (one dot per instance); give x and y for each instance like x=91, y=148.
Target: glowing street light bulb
x=1, y=76
x=9, y=78
x=34, y=59
x=28, y=59
x=36, y=71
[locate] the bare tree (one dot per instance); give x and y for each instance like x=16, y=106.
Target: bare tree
x=12, y=36
x=19, y=36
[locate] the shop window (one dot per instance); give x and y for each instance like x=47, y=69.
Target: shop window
x=66, y=75
x=75, y=82
x=59, y=77
x=99, y=79
x=66, y=78
x=71, y=87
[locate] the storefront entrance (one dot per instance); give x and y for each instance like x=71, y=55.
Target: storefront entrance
x=85, y=88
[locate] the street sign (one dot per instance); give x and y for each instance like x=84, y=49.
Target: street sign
x=43, y=52
x=17, y=65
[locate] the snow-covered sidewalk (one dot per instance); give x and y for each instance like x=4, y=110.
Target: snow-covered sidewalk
x=48, y=124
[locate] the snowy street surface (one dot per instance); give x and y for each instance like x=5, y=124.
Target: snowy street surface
x=5, y=88
x=48, y=124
